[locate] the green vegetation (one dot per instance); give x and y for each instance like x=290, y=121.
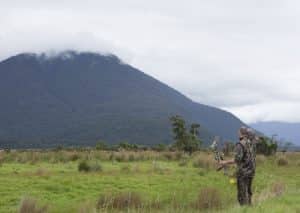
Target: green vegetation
x=185, y=140
x=139, y=181
x=266, y=146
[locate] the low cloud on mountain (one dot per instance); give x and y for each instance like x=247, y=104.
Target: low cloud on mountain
x=241, y=56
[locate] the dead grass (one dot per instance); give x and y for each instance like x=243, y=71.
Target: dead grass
x=30, y=205
x=204, y=161
x=208, y=198
x=42, y=172
x=278, y=188
x=282, y=161
x=87, y=207
x=122, y=200
x=260, y=159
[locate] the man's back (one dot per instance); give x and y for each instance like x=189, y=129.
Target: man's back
x=245, y=158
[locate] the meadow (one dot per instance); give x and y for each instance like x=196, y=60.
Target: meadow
x=92, y=180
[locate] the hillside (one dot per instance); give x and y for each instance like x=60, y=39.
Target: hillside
x=79, y=98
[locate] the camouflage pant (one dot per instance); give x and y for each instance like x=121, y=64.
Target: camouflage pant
x=244, y=193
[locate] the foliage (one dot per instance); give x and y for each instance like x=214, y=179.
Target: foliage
x=101, y=145
x=160, y=147
x=127, y=146
x=187, y=141
x=83, y=166
x=266, y=146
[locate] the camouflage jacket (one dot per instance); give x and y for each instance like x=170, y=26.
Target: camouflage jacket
x=245, y=158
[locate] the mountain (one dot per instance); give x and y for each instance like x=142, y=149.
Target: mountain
x=285, y=131
x=78, y=98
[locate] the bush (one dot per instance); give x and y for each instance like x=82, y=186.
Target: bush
x=29, y=205
x=83, y=166
x=266, y=146
x=208, y=198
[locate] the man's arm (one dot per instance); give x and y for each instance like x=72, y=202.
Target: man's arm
x=237, y=157
x=227, y=162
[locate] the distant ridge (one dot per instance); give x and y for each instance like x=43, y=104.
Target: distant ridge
x=79, y=98
x=284, y=131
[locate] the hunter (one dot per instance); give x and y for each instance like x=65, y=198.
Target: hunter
x=245, y=159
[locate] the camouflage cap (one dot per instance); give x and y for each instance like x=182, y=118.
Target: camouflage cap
x=250, y=133
x=243, y=131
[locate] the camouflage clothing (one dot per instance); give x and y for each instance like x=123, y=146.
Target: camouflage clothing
x=244, y=192
x=245, y=160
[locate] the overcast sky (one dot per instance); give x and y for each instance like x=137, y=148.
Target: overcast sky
x=242, y=56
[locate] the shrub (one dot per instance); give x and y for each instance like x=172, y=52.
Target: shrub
x=29, y=205
x=83, y=166
x=266, y=146
x=282, y=162
x=208, y=198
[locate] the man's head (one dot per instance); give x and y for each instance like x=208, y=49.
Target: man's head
x=243, y=132
x=250, y=134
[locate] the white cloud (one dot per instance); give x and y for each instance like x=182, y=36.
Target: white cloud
x=238, y=55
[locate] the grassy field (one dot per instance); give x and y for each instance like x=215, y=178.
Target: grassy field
x=144, y=181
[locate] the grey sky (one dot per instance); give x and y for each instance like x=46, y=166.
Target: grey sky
x=241, y=56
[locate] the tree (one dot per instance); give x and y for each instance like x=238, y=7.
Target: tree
x=187, y=141
x=179, y=131
x=266, y=146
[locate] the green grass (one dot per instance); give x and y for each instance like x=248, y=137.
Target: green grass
x=64, y=189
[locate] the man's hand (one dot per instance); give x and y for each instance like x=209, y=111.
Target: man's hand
x=226, y=162
x=222, y=162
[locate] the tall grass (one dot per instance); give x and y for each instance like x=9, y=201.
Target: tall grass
x=121, y=200
x=30, y=205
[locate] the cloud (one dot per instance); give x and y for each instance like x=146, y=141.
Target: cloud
x=241, y=56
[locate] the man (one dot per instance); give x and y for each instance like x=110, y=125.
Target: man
x=245, y=160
